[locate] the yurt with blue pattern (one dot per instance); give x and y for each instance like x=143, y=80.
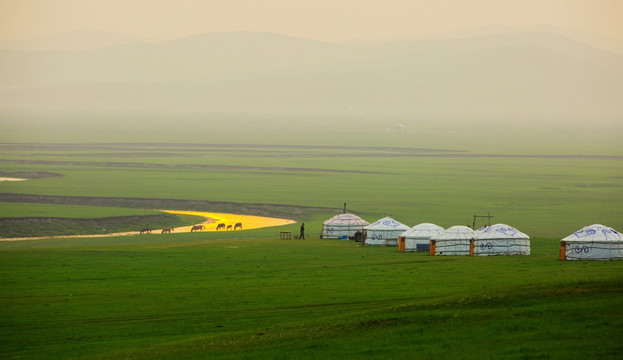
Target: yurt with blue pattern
x=500, y=239
x=593, y=242
x=384, y=232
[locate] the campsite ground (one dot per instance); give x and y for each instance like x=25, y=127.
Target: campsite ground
x=247, y=294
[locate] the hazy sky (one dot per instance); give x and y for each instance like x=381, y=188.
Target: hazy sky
x=329, y=20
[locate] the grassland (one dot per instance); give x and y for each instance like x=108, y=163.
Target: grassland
x=542, y=196
x=194, y=296
x=246, y=294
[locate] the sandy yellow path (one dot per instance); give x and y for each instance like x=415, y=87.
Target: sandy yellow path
x=11, y=179
x=213, y=219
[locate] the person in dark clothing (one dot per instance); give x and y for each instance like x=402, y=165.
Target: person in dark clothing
x=302, y=236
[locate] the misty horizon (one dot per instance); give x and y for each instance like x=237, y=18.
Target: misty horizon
x=507, y=74
x=497, y=66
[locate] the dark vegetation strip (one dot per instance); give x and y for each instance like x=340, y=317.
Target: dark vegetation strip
x=230, y=147
x=269, y=210
x=54, y=226
x=159, y=149
x=519, y=156
x=281, y=154
x=30, y=174
x=181, y=167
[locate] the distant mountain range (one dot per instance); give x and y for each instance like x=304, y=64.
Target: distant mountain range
x=518, y=74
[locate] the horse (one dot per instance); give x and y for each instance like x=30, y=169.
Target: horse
x=220, y=226
x=197, y=228
x=145, y=231
x=228, y=227
x=167, y=230
x=237, y=226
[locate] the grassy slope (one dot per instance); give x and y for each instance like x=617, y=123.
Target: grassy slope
x=186, y=296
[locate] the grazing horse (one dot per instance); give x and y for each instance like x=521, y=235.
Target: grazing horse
x=238, y=226
x=167, y=230
x=145, y=231
x=228, y=227
x=220, y=226
x=197, y=228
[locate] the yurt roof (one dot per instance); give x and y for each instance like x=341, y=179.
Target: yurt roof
x=499, y=231
x=595, y=232
x=423, y=231
x=346, y=219
x=457, y=232
x=387, y=223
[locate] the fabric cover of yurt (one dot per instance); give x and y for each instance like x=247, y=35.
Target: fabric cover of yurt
x=342, y=225
x=594, y=242
x=384, y=232
x=500, y=239
x=418, y=237
x=453, y=241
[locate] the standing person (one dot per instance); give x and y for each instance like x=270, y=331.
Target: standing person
x=302, y=235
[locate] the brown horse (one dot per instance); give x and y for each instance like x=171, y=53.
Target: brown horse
x=238, y=226
x=197, y=228
x=167, y=230
x=220, y=226
x=145, y=231
x=228, y=227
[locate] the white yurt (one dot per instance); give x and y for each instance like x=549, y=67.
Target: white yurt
x=452, y=241
x=500, y=239
x=418, y=237
x=384, y=232
x=342, y=225
x=594, y=242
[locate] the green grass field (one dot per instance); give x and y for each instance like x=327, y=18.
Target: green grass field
x=246, y=294
x=194, y=296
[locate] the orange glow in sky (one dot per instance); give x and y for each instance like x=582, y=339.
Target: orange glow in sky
x=326, y=20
